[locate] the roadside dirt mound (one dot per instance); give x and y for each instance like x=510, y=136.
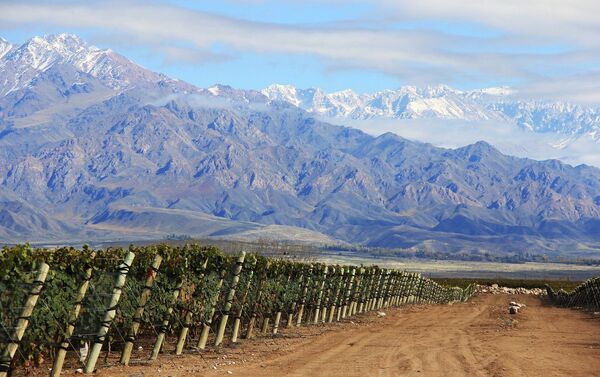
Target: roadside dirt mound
x=478, y=338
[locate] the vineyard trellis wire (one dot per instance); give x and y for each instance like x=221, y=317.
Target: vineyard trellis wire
x=115, y=298
x=586, y=295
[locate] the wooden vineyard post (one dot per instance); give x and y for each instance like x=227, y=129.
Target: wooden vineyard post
x=355, y=292
x=432, y=292
x=265, y=325
x=375, y=291
x=23, y=321
x=395, y=289
x=276, y=322
x=292, y=308
x=279, y=307
x=238, y=315
x=335, y=298
x=213, y=307
x=259, y=293
x=380, y=289
x=429, y=291
x=424, y=291
x=320, y=297
x=413, y=288
x=139, y=311
x=348, y=292
x=403, y=288
x=162, y=331
x=388, y=290
x=384, y=287
x=341, y=297
x=409, y=288
x=421, y=285
x=596, y=293
x=327, y=298
x=111, y=311
x=64, y=343
x=237, y=270
x=398, y=288
x=371, y=290
x=368, y=290
x=272, y=273
x=303, y=297
x=187, y=321
x=364, y=291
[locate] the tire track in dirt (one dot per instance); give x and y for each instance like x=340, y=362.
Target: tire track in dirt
x=478, y=338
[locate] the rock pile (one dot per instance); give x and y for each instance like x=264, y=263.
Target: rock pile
x=495, y=290
x=514, y=307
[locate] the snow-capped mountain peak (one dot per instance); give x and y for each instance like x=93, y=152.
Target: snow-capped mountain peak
x=444, y=102
x=281, y=92
x=40, y=53
x=22, y=64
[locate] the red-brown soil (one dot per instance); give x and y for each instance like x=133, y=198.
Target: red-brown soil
x=478, y=338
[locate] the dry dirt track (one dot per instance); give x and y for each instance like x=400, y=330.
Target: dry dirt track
x=477, y=338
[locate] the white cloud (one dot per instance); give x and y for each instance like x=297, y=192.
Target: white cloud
x=539, y=46
x=414, y=56
x=552, y=21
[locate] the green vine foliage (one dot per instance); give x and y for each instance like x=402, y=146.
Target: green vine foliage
x=204, y=275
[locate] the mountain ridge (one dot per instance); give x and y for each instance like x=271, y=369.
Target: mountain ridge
x=156, y=156
x=444, y=102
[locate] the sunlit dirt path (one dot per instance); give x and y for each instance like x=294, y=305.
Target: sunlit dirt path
x=478, y=338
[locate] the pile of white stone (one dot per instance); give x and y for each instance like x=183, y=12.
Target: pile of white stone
x=514, y=307
x=496, y=290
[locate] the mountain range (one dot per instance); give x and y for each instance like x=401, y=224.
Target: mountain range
x=442, y=102
x=94, y=147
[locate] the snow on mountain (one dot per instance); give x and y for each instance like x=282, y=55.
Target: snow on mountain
x=20, y=65
x=4, y=47
x=93, y=146
x=443, y=102
x=406, y=102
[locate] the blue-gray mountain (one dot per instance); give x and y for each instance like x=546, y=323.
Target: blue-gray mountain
x=94, y=147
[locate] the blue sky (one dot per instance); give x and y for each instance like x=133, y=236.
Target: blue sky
x=546, y=49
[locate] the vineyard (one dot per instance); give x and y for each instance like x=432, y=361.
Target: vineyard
x=63, y=307
x=586, y=295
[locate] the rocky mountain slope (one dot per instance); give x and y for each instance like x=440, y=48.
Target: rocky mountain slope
x=108, y=150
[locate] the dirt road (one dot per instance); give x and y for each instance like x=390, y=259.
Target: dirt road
x=478, y=338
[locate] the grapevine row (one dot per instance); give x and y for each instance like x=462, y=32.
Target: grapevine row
x=61, y=301
x=586, y=295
